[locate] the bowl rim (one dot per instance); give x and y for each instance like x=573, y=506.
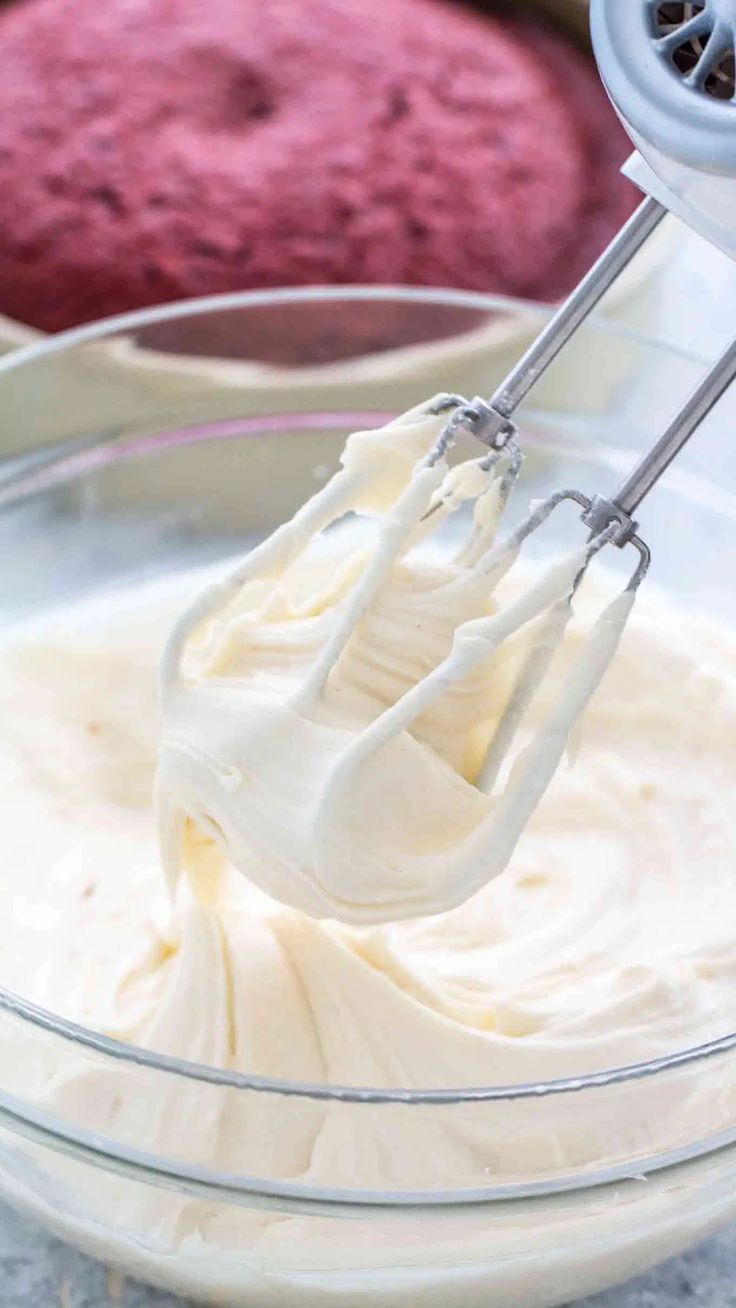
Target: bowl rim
x=123, y=1051
x=282, y=295
x=33, y=1123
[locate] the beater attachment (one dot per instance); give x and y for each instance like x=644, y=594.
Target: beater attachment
x=310, y=740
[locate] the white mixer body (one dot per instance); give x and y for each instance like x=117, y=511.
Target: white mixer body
x=670, y=70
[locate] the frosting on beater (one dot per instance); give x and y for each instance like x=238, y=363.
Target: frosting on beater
x=341, y=722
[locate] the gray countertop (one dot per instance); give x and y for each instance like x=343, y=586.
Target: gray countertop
x=38, y=1272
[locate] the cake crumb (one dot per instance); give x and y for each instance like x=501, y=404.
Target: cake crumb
x=115, y=1284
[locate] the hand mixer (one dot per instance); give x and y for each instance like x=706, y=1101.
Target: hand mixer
x=318, y=841
x=670, y=69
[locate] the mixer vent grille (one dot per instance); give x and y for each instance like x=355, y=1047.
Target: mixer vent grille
x=700, y=45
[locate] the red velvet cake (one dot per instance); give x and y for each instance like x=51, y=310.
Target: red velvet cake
x=157, y=149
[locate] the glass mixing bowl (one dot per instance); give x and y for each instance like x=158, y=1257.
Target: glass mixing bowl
x=176, y=437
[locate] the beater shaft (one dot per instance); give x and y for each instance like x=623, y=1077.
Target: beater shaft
x=602, y=511
x=573, y=312
x=496, y=413
x=698, y=405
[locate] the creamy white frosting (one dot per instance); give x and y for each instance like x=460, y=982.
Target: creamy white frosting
x=605, y=942
x=340, y=725
x=608, y=940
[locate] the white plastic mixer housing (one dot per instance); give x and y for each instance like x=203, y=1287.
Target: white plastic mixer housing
x=670, y=70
